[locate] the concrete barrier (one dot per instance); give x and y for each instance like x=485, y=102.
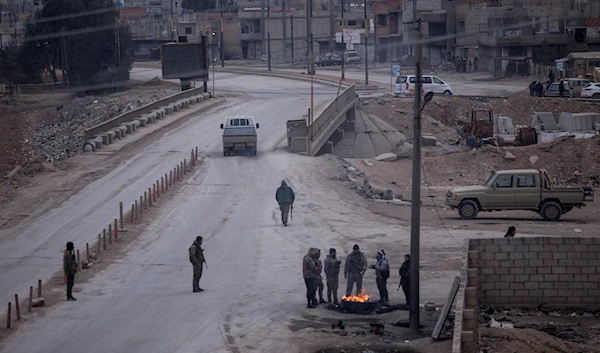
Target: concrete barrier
x=120, y=119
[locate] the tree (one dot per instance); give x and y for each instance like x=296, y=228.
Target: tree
x=11, y=71
x=199, y=5
x=78, y=38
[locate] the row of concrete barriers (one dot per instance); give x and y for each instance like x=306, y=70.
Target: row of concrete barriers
x=129, y=127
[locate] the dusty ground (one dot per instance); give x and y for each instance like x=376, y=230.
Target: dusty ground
x=449, y=110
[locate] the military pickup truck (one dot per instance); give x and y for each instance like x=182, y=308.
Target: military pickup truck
x=527, y=189
x=239, y=133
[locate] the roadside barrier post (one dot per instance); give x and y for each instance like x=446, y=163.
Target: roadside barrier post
x=121, y=214
x=39, y=288
x=177, y=172
x=98, y=245
x=17, y=310
x=141, y=207
x=149, y=197
x=87, y=253
x=162, y=185
x=196, y=153
x=184, y=166
x=145, y=200
x=170, y=179
x=30, y=298
x=78, y=261
x=109, y=233
x=116, y=231
x=166, y=182
x=8, y=317
x=192, y=158
x=104, y=238
x=132, y=212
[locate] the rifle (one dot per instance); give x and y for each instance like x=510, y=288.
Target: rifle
x=206, y=264
x=292, y=212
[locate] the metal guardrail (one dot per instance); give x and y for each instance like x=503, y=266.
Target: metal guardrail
x=120, y=119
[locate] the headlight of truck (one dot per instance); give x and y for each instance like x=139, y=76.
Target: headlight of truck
x=457, y=196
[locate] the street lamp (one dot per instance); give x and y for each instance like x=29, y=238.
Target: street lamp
x=214, y=33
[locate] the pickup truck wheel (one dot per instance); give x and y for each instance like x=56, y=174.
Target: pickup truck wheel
x=551, y=211
x=468, y=209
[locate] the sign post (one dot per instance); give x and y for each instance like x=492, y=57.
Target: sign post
x=395, y=73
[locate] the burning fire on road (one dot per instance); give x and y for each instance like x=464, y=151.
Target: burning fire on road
x=358, y=303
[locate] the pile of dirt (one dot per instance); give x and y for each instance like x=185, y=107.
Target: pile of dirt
x=449, y=110
x=494, y=340
x=49, y=132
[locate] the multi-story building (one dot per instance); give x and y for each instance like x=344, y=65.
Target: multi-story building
x=14, y=15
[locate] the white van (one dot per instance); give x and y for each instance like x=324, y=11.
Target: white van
x=405, y=85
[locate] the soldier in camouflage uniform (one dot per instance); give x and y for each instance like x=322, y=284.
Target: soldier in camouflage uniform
x=70, y=267
x=197, y=260
x=285, y=197
x=332, y=273
x=311, y=272
x=320, y=285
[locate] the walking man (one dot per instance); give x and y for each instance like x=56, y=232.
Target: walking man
x=197, y=260
x=285, y=197
x=511, y=232
x=405, y=277
x=382, y=271
x=356, y=265
x=310, y=272
x=332, y=273
x=70, y=267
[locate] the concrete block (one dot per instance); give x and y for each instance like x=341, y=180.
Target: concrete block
x=559, y=270
x=574, y=300
x=540, y=266
x=486, y=256
x=566, y=277
x=89, y=146
x=428, y=140
x=500, y=256
x=98, y=141
x=507, y=248
x=471, y=297
x=521, y=293
x=544, y=255
x=486, y=271
x=522, y=263
x=491, y=278
x=507, y=263
x=536, y=247
x=104, y=138
x=515, y=255
x=559, y=255
x=516, y=300
x=583, y=248
x=486, y=286
x=588, y=270
x=530, y=270
x=574, y=255
x=502, y=270
x=136, y=124
x=491, y=249
x=507, y=278
x=565, y=292
x=588, y=300
x=507, y=293
x=546, y=285
x=531, y=285
x=501, y=286
x=594, y=278
x=579, y=262
x=298, y=144
x=573, y=270
x=550, y=292
x=580, y=278
x=551, y=278
x=558, y=300
x=575, y=285
x=536, y=278
x=552, y=247
x=531, y=241
x=530, y=255
x=206, y=95
x=553, y=263
x=516, y=286
x=524, y=278
x=492, y=293
x=517, y=271
x=561, y=285
x=142, y=120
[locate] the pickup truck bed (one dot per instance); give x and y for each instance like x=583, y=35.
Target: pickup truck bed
x=239, y=138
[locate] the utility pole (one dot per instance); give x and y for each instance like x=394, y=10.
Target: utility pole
x=331, y=28
x=415, y=220
x=308, y=35
x=221, y=46
x=366, y=45
x=292, y=29
x=283, y=30
x=312, y=72
x=262, y=28
x=172, y=23
x=343, y=44
x=269, y=33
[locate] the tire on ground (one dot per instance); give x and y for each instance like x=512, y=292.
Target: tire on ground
x=551, y=211
x=468, y=209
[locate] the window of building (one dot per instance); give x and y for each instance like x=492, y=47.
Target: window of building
x=188, y=30
x=324, y=7
x=381, y=20
x=351, y=23
x=460, y=27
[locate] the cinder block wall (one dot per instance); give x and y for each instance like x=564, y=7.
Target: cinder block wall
x=530, y=271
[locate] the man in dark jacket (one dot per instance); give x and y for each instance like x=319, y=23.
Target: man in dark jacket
x=551, y=76
x=320, y=285
x=356, y=265
x=561, y=88
x=197, y=260
x=332, y=273
x=405, y=277
x=311, y=272
x=539, y=89
x=70, y=267
x=285, y=197
x=532, y=88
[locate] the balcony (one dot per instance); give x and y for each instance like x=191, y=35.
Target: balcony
x=250, y=36
x=554, y=39
x=250, y=14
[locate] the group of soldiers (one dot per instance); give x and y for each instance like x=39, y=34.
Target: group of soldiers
x=354, y=269
x=461, y=64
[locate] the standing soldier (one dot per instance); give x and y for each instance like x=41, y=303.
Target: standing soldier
x=285, y=197
x=356, y=265
x=405, y=277
x=561, y=88
x=551, y=76
x=332, y=273
x=70, y=267
x=197, y=260
x=320, y=285
x=310, y=272
x=476, y=63
x=382, y=272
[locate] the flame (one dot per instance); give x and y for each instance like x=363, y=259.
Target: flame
x=361, y=298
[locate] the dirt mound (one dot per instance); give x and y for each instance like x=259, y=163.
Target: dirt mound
x=527, y=340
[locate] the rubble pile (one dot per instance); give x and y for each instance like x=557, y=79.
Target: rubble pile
x=61, y=135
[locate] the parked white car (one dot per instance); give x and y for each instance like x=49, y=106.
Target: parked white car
x=405, y=85
x=591, y=91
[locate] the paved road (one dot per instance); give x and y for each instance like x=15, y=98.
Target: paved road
x=36, y=252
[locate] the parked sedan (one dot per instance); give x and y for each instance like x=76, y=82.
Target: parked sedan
x=591, y=91
x=553, y=90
